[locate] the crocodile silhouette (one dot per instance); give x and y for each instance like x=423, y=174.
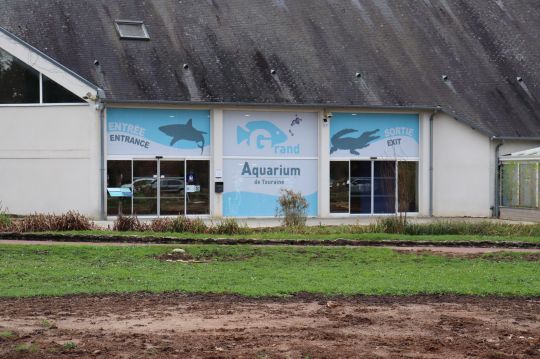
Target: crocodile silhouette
x=352, y=143
x=184, y=132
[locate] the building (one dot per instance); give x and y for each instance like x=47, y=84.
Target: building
x=211, y=108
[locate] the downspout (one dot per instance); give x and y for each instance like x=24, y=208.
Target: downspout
x=431, y=161
x=496, y=203
x=100, y=106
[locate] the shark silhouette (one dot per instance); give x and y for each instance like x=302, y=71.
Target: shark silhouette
x=184, y=132
x=351, y=143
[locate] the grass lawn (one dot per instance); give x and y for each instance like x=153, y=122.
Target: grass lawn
x=328, y=234
x=259, y=271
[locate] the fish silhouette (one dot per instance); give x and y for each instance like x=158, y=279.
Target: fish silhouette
x=275, y=135
x=184, y=132
x=352, y=143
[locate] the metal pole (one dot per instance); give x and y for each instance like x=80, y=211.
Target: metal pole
x=431, y=162
x=496, y=204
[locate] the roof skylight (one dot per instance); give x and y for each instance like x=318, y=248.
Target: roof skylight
x=130, y=29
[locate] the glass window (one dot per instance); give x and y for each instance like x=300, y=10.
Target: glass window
x=54, y=93
x=509, y=184
x=118, y=176
x=360, y=187
x=128, y=29
x=197, y=187
x=339, y=187
x=19, y=83
x=384, y=187
x=527, y=185
x=408, y=186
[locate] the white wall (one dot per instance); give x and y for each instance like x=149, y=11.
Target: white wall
x=461, y=169
x=49, y=159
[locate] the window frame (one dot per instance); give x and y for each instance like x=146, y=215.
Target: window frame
x=396, y=188
x=119, y=22
x=40, y=103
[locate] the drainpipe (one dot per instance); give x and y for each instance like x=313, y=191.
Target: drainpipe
x=496, y=203
x=431, y=161
x=100, y=106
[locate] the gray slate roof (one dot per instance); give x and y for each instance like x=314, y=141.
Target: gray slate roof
x=401, y=48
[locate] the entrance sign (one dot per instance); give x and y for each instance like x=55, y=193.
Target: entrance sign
x=270, y=134
x=374, y=135
x=158, y=132
x=252, y=186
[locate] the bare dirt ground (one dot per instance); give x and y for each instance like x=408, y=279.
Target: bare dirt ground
x=438, y=248
x=305, y=326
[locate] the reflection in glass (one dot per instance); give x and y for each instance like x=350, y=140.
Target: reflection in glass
x=118, y=176
x=509, y=179
x=527, y=184
x=171, y=188
x=408, y=186
x=19, y=83
x=384, y=187
x=54, y=93
x=145, y=187
x=339, y=187
x=360, y=186
x=197, y=187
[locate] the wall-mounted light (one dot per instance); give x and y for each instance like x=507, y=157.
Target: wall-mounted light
x=327, y=116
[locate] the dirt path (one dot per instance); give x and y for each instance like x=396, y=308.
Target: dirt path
x=212, y=326
x=419, y=249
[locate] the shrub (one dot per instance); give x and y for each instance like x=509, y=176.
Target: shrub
x=393, y=224
x=73, y=221
x=183, y=224
x=400, y=225
x=229, y=226
x=162, y=225
x=198, y=226
x=292, y=207
x=5, y=220
x=128, y=224
x=38, y=222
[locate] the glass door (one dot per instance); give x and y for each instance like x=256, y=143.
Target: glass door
x=360, y=187
x=373, y=186
x=145, y=187
x=160, y=187
x=171, y=188
x=384, y=187
x=339, y=187
x=197, y=187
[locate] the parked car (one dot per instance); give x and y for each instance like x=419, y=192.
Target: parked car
x=148, y=185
